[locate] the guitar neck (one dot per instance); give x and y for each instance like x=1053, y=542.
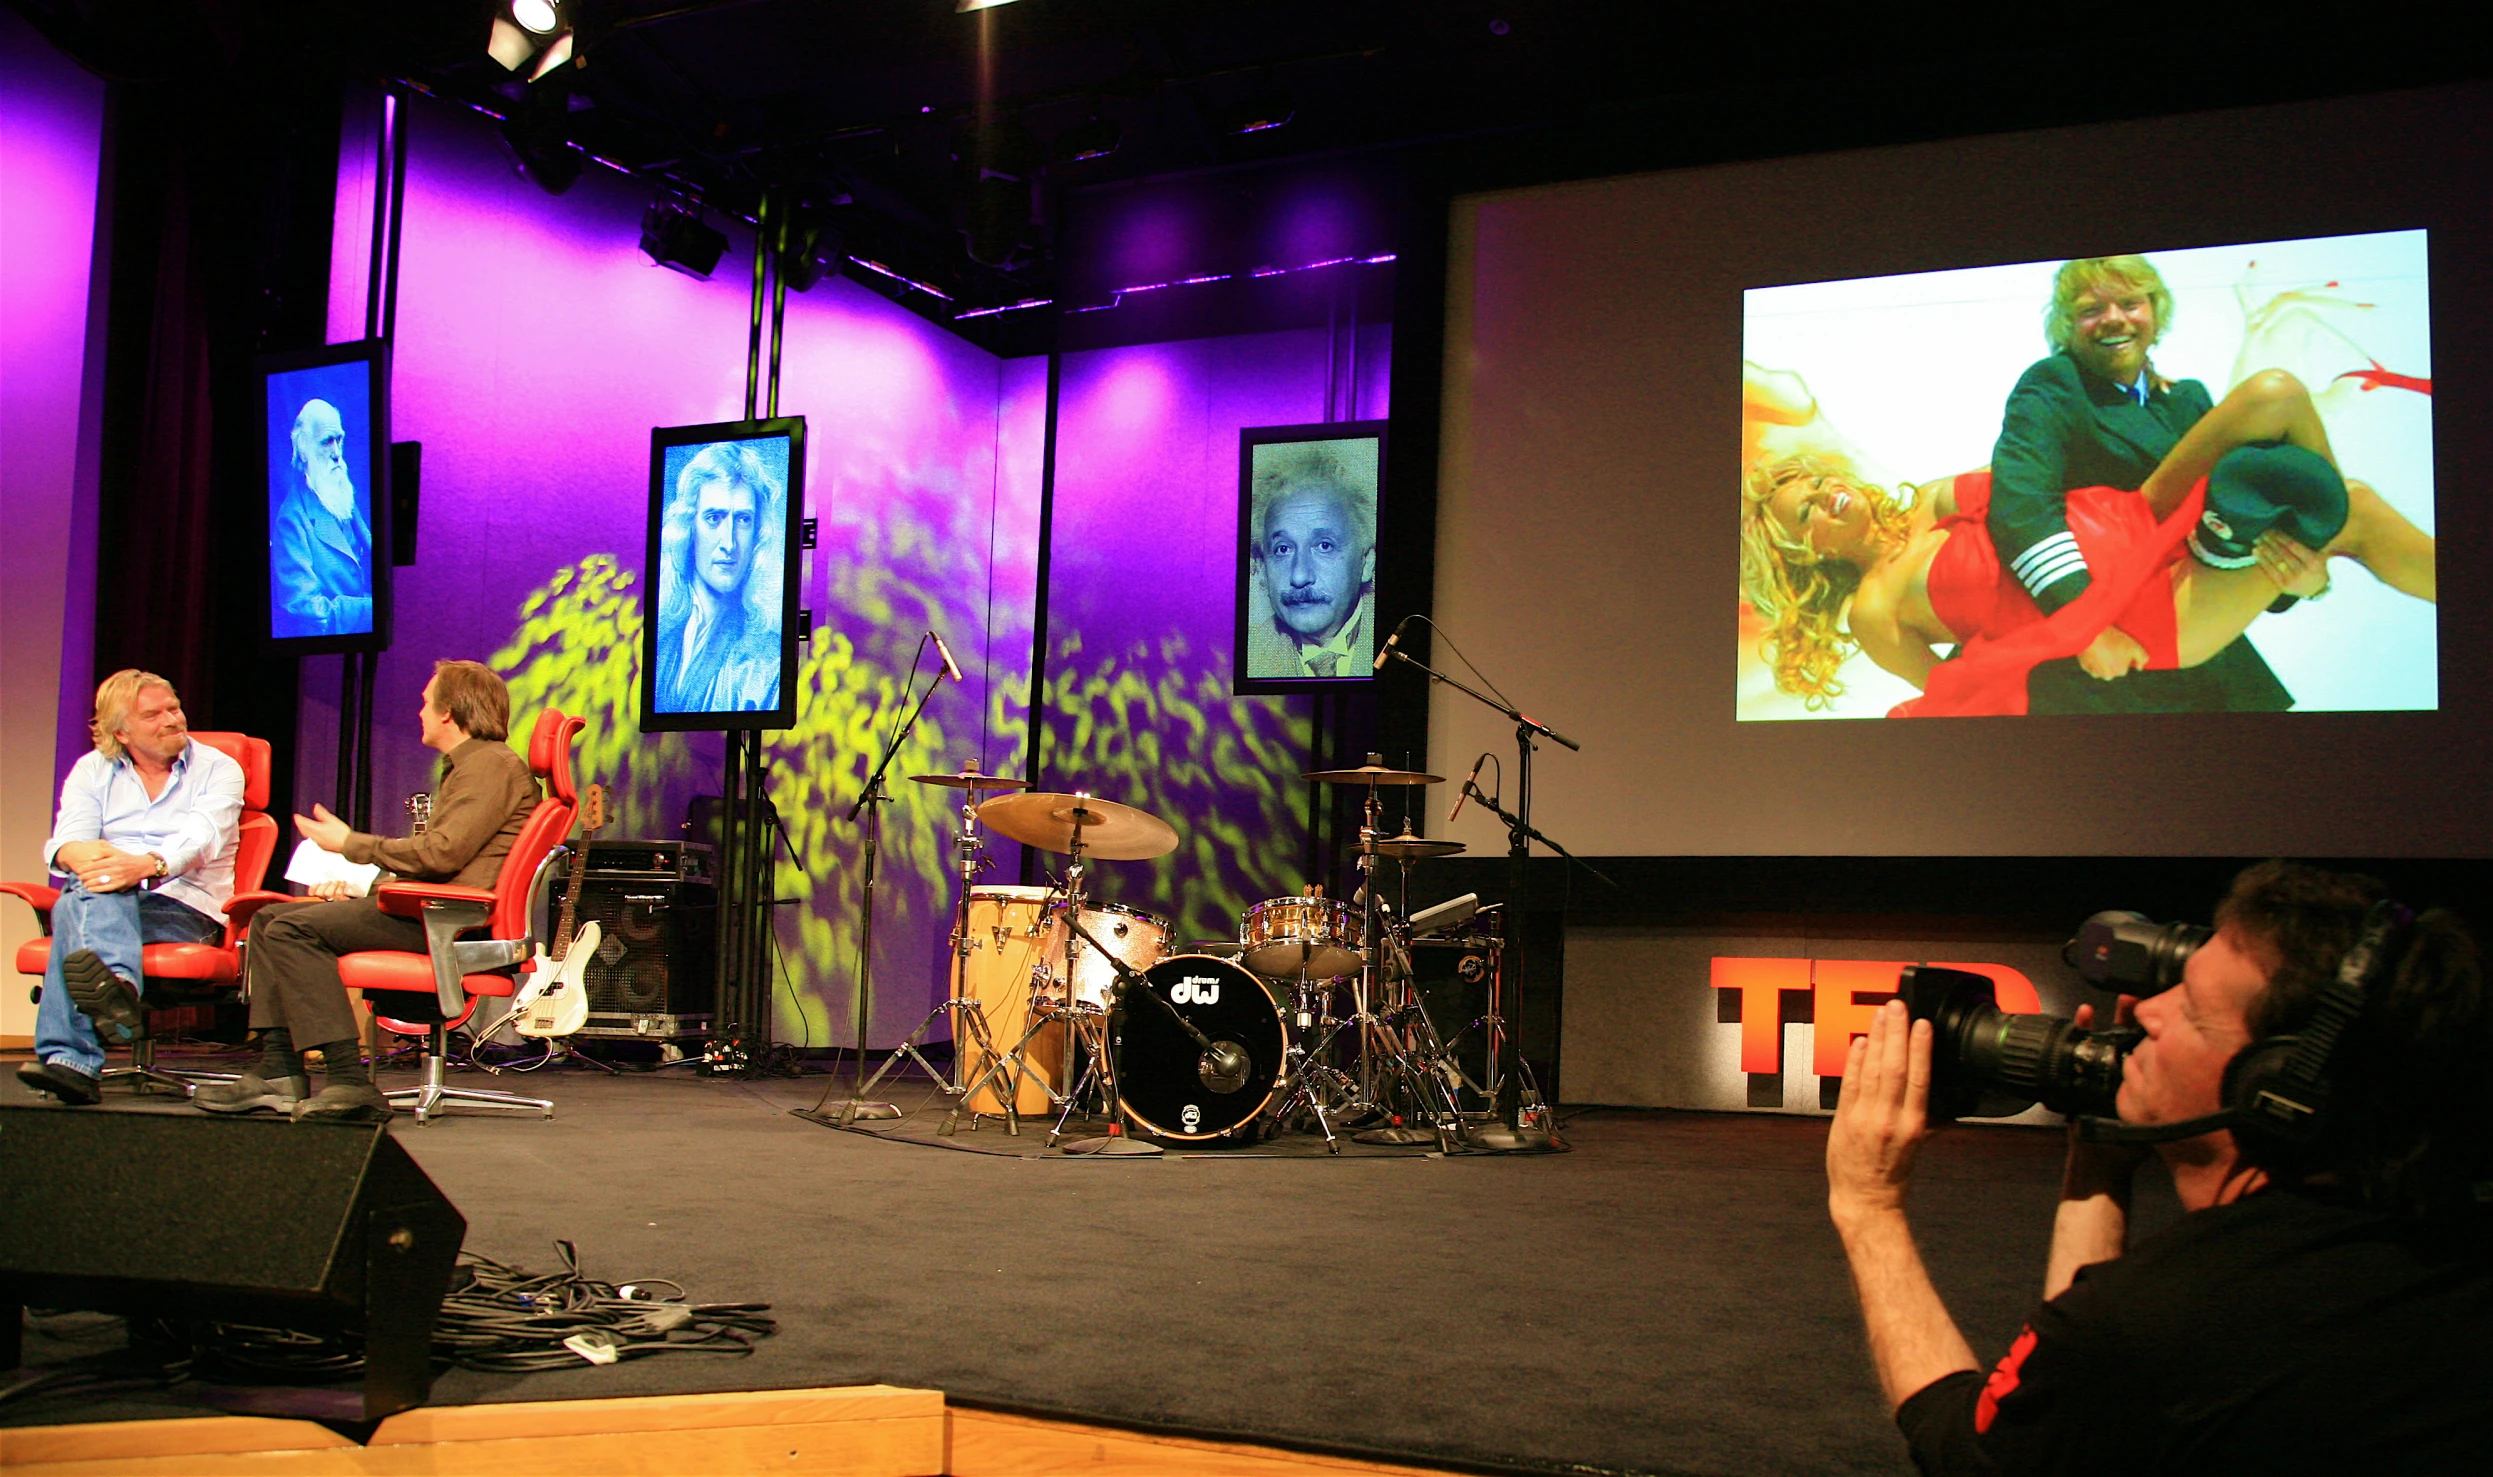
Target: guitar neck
x=592, y=819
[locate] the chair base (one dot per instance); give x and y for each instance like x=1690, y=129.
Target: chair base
x=430, y=1096
x=147, y=1078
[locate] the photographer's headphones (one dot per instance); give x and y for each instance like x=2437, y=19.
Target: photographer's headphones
x=2276, y=1090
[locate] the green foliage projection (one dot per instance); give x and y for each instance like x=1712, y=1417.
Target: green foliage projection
x=577, y=648
x=1154, y=725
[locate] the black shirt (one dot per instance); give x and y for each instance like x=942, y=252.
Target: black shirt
x=2278, y=1334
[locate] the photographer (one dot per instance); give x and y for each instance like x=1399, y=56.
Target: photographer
x=2322, y=1307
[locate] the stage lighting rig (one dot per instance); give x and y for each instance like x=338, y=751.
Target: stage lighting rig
x=674, y=235
x=1257, y=114
x=1095, y=139
x=537, y=132
x=816, y=247
x=532, y=34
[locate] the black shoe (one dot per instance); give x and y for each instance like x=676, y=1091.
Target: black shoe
x=104, y=996
x=62, y=1081
x=345, y=1102
x=251, y=1091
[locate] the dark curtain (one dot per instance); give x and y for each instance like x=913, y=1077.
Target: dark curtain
x=222, y=188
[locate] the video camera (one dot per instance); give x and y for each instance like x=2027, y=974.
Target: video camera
x=1989, y=1063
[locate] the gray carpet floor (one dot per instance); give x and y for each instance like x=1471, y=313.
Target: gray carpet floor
x=1666, y=1298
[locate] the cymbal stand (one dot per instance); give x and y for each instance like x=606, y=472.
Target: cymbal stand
x=1434, y=1057
x=1381, y=1048
x=1311, y=1078
x=1089, y=1030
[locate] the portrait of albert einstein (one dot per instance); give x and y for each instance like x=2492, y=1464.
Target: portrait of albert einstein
x=1308, y=585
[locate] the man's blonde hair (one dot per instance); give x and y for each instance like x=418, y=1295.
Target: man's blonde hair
x=114, y=699
x=2116, y=274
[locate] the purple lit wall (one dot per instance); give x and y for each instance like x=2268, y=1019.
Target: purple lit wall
x=51, y=130
x=536, y=347
x=1140, y=591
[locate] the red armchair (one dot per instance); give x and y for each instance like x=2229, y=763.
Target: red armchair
x=456, y=972
x=179, y=977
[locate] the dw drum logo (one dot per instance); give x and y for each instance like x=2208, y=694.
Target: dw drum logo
x=1195, y=989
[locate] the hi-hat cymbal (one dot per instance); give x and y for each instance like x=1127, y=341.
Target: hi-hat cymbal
x=1107, y=830
x=1373, y=774
x=970, y=779
x=1409, y=848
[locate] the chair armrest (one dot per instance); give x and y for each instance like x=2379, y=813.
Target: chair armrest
x=407, y=899
x=37, y=896
x=245, y=906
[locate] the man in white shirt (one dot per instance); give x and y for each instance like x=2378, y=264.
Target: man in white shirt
x=147, y=832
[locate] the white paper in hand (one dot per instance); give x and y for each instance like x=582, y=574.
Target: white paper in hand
x=311, y=865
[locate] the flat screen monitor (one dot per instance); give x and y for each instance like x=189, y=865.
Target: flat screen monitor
x=1306, y=555
x=326, y=416
x=719, y=606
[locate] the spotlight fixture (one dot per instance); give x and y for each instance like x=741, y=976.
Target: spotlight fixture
x=964, y=7
x=536, y=133
x=534, y=35
x=674, y=235
x=1096, y=139
x=1257, y=114
x=815, y=248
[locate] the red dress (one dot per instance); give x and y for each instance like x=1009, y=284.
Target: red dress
x=2004, y=634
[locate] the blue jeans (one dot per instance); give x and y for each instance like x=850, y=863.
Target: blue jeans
x=115, y=925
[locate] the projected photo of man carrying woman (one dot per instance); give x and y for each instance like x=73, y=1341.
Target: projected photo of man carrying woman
x=2124, y=542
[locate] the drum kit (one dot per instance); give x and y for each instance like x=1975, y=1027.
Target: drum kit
x=1063, y=1005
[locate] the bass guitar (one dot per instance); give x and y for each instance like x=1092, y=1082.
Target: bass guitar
x=555, y=1000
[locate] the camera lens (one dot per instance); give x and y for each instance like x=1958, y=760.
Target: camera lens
x=1988, y=1063
x=2133, y=953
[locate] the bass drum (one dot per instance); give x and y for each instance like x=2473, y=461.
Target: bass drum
x=1170, y=1086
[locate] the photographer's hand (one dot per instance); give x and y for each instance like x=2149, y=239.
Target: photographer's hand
x=1880, y=1122
x=2091, y=1223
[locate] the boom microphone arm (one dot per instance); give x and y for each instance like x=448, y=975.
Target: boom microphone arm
x=1131, y=982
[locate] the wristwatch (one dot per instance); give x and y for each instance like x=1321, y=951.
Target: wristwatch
x=160, y=867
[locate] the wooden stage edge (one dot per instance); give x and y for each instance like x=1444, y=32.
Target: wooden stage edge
x=857, y=1431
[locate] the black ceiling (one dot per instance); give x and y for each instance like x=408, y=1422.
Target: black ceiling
x=937, y=141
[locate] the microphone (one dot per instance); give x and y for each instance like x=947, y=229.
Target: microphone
x=945, y=652
x=1385, y=653
x=1466, y=792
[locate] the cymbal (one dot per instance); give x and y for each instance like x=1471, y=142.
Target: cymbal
x=1109, y=831
x=971, y=780
x=1409, y=848
x=1373, y=774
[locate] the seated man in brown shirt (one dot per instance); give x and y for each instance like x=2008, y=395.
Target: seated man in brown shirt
x=297, y=999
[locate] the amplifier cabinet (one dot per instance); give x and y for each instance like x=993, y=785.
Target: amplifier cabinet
x=656, y=964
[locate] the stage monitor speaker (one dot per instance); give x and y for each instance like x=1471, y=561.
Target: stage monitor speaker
x=317, y=1228
x=1453, y=976
x=406, y=487
x=656, y=965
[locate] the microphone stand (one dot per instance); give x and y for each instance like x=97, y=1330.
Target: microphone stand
x=870, y=803
x=1512, y=1133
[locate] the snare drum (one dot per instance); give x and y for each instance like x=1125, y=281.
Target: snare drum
x=1013, y=946
x=1140, y=939
x=1314, y=938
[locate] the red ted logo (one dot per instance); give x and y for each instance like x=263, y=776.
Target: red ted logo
x=1843, y=995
